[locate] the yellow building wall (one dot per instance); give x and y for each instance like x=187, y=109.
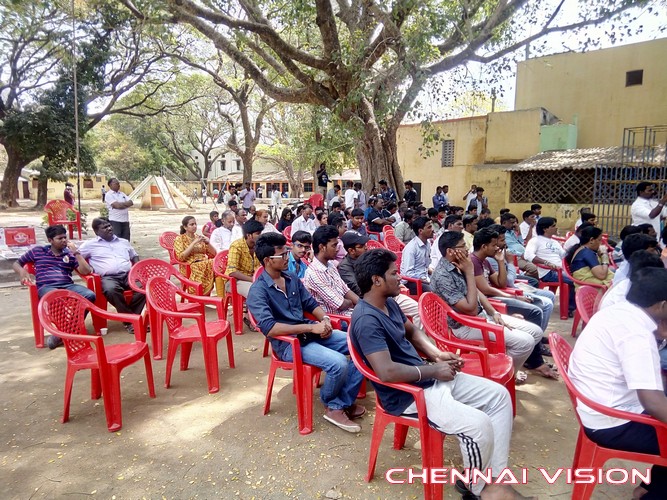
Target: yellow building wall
x=592, y=86
x=513, y=136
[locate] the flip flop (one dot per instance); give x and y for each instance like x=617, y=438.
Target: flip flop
x=249, y=325
x=552, y=374
x=520, y=377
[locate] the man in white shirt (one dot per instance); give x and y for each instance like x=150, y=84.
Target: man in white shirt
x=546, y=251
x=634, y=243
x=276, y=200
x=470, y=195
x=527, y=227
x=247, y=196
x=304, y=221
x=616, y=363
x=639, y=260
x=221, y=237
x=230, y=196
x=112, y=257
x=361, y=196
x=118, y=204
x=646, y=209
x=351, y=196
x=241, y=218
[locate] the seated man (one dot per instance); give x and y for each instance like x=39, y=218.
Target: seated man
x=454, y=281
x=355, y=246
x=356, y=222
x=242, y=261
x=377, y=218
x=240, y=218
x=221, y=237
x=112, y=257
x=302, y=244
x=488, y=281
x=322, y=279
x=469, y=229
x=451, y=223
x=403, y=230
x=527, y=227
x=516, y=245
x=618, y=292
x=304, y=222
x=278, y=301
x=416, y=256
x=572, y=241
x=476, y=410
x=546, y=251
x=615, y=362
x=54, y=264
x=633, y=243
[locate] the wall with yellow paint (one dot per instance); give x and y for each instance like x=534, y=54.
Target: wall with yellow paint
x=513, y=136
x=592, y=86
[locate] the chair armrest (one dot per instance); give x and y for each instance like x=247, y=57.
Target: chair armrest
x=201, y=299
x=134, y=319
x=481, y=352
x=336, y=319
x=187, y=282
x=512, y=291
x=494, y=347
x=499, y=306
x=177, y=314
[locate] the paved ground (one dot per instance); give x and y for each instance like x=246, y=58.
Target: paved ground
x=189, y=444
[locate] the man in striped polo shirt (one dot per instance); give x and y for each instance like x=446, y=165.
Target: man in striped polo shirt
x=54, y=264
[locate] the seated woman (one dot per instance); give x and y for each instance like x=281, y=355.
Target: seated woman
x=286, y=219
x=197, y=251
x=262, y=216
x=586, y=261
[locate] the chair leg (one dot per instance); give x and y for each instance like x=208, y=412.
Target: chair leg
x=269, y=386
x=564, y=300
x=575, y=323
x=149, y=373
x=95, y=384
x=379, y=426
x=186, y=350
x=265, y=352
x=511, y=388
x=237, y=311
x=112, y=400
x=37, y=328
x=230, y=350
x=172, y=346
x=400, y=435
x=69, y=381
x=432, y=457
x=362, y=390
x=304, y=400
x=156, y=333
x=211, y=365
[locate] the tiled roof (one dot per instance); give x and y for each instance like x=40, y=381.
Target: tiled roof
x=576, y=159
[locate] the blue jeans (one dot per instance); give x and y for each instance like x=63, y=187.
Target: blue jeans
x=552, y=277
x=342, y=381
x=544, y=302
x=85, y=292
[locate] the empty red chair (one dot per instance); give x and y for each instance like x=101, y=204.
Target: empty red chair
x=497, y=367
x=161, y=294
x=372, y=244
x=140, y=275
x=62, y=313
x=431, y=439
x=233, y=297
x=388, y=229
x=590, y=455
x=167, y=242
x=393, y=243
x=586, y=298
x=316, y=200
x=57, y=213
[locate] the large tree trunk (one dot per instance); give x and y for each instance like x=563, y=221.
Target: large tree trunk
x=377, y=158
x=9, y=191
x=248, y=157
x=42, y=190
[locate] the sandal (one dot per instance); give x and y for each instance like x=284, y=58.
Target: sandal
x=545, y=351
x=520, y=377
x=249, y=325
x=547, y=371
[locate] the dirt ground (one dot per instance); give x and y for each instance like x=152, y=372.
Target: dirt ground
x=187, y=443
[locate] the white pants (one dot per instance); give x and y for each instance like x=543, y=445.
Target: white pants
x=477, y=411
x=410, y=308
x=520, y=337
x=242, y=287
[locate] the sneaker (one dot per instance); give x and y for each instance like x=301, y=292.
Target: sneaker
x=340, y=419
x=355, y=411
x=129, y=327
x=52, y=341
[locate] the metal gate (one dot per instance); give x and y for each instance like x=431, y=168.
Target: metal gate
x=643, y=159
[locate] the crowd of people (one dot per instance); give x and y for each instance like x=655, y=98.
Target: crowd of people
x=316, y=263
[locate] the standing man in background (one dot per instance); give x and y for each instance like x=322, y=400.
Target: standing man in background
x=118, y=204
x=68, y=195
x=647, y=209
x=248, y=196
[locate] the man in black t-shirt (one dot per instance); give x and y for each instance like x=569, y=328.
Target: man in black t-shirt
x=476, y=410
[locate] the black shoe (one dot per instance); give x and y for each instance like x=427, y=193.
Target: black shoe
x=52, y=342
x=466, y=494
x=129, y=327
x=570, y=314
x=545, y=351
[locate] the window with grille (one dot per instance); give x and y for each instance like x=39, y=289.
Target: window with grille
x=552, y=186
x=447, y=159
x=238, y=165
x=308, y=187
x=88, y=184
x=223, y=165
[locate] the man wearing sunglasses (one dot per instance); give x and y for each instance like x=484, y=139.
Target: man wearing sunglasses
x=278, y=302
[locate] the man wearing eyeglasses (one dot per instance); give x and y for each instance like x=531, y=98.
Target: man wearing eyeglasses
x=302, y=243
x=278, y=302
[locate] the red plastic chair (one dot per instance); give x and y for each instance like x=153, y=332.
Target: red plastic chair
x=140, y=275
x=478, y=361
x=392, y=243
x=586, y=297
x=372, y=244
x=233, y=297
x=37, y=328
x=287, y=233
x=431, y=440
x=374, y=236
x=562, y=288
x=315, y=200
x=161, y=294
x=94, y=283
x=62, y=313
x=167, y=242
x=56, y=211
x=388, y=229
x=417, y=282
x=588, y=454
x=578, y=314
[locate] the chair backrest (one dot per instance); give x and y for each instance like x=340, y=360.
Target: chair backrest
x=220, y=263
x=287, y=233
x=167, y=240
x=388, y=229
x=316, y=200
x=598, y=300
x=62, y=311
x=258, y=272
x=561, y=351
x=57, y=209
x=162, y=293
x=566, y=268
x=586, y=297
x=433, y=313
x=144, y=270
x=372, y=244
x=393, y=243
